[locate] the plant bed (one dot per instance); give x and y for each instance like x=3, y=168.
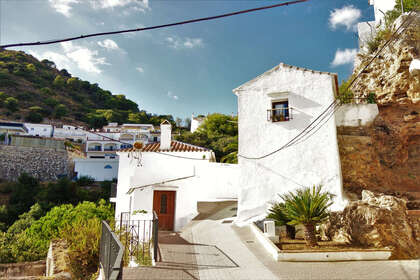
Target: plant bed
x=295, y=245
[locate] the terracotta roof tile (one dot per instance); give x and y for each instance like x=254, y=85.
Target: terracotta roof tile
x=176, y=146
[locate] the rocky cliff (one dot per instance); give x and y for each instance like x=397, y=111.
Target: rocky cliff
x=386, y=156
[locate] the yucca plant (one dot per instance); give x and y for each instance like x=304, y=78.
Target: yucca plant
x=277, y=212
x=309, y=207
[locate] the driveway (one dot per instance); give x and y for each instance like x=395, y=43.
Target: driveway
x=211, y=247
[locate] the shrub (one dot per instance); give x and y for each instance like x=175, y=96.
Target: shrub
x=59, y=81
x=34, y=117
x=60, y=111
x=83, y=238
x=52, y=102
x=85, y=181
x=47, y=91
x=11, y=104
x=309, y=207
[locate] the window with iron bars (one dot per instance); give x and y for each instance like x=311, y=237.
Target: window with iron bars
x=279, y=112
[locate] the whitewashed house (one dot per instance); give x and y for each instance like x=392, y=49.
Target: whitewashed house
x=196, y=122
x=39, y=129
x=272, y=109
x=170, y=177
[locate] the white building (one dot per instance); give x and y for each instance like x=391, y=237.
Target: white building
x=196, y=122
x=41, y=130
x=272, y=109
x=74, y=133
x=170, y=177
x=100, y=169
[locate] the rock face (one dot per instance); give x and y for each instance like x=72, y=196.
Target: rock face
x=385, y=157
x=376, y=221
x=389, y=75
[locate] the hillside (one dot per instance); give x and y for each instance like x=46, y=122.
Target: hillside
x=36, y=91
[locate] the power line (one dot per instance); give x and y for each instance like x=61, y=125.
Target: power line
x=335, y=104
x=153, y=27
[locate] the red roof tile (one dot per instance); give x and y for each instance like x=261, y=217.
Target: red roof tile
x=176, y=146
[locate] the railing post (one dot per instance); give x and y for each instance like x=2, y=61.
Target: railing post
x=155, y=236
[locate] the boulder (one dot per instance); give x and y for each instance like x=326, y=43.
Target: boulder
x=375, y=221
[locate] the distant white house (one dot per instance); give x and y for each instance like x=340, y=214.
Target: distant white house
x=170, y=177
x=41, y=130
x=196, y=122
x=105, y=169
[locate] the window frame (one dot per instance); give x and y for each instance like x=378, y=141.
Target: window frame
x=286, y=116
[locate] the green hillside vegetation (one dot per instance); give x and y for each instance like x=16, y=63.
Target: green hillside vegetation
x=218, y=132
x=36, y=91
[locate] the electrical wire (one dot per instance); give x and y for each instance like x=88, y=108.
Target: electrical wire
x=152, y=27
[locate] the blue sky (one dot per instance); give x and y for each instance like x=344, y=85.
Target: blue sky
x=191, y=68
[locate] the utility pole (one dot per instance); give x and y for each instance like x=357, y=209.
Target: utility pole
x=402, y=7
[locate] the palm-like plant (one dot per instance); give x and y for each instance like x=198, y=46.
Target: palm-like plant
x=277, y=212
x=309, y=207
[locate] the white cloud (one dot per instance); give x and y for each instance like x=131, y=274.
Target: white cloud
x=345, y=56
x=108, y=44
x=171, y=95
x=137, y=5
x=186, y=43
x=346, y=16
x=63, y=6
x=85, y=58
x=140, y=69
x=61, y=61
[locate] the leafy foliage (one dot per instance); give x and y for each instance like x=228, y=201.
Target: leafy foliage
x=307, y=205
x=218, y=132
x=277, y=212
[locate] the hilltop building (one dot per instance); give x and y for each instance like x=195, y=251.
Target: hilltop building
x=196, y=122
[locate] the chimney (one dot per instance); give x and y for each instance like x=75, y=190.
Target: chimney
x=165, y=135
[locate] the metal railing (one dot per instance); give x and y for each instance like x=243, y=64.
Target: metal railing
x=280, y=114
x=140, y=239
x=110, y=253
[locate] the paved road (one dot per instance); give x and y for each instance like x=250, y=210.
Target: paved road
x=213, y=248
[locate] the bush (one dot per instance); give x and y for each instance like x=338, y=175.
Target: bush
x=47, y=91
x=83, y=237
x=34, y=117
x=309, y=207
x=59, y=81
x=52, y=102
x=85, y=181
x=60, y=111
x=11, y=104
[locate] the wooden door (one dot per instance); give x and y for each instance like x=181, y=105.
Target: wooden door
x=164, y=205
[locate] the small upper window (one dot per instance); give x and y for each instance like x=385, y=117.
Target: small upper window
x=279, y=111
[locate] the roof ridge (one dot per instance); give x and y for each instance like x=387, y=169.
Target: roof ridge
x=276, y=68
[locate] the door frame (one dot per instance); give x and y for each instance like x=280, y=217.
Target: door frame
x=168, y=189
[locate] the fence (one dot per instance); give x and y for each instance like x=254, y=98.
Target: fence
x=110, y=254
x=140, y=239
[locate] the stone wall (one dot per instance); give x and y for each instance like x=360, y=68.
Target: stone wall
x=23, y=269
x=43, y=163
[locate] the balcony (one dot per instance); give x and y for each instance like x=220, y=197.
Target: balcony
x=280, y=114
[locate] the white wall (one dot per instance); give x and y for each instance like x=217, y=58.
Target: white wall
x=96, y=168
x=315, y=161
x=207, y=182
x=42, y=130
x=195, y=123
x=356, y=114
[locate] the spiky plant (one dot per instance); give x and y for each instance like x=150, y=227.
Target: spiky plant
x=277, y=212
x=309, y=207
